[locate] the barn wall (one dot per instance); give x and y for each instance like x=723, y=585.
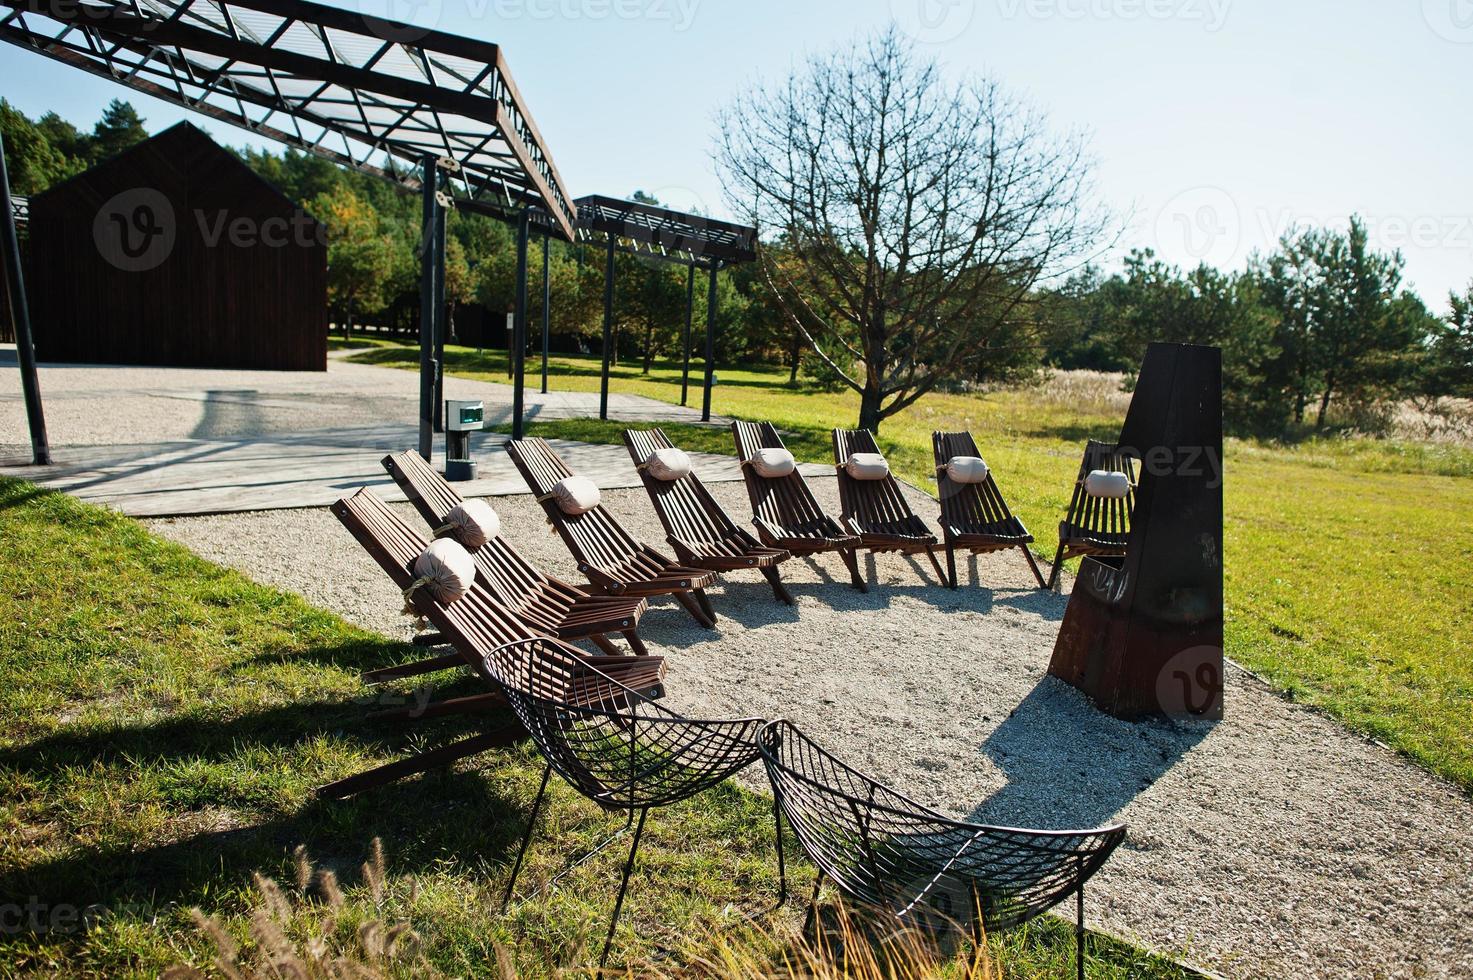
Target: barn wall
x=208, y=300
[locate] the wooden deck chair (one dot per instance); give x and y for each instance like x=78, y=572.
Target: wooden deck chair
x=1095, y=525
x=697, y=527
x=476, y=626
x=877, y=510
x=556, y=608
x=974, y=516
x=784, y=509
x=612, y=560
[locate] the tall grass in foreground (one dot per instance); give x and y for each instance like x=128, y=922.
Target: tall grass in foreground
x=314, y=931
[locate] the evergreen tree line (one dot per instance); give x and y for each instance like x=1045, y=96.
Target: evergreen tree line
x=1321, y=332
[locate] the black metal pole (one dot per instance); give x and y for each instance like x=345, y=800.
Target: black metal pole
x=603, y=398
x=442, y=324
x=20, y=315
x=546, y=304
x=427, y=310
x=519, y=328
x=690, y=310
x=710, y=344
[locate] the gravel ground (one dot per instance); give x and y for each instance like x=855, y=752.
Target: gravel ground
x=1272, y=844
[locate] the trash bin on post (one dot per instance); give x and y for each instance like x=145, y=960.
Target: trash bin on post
x=461, y=419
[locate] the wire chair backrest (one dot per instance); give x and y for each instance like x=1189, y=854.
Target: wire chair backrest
x=1103, y=518
x=685, y=507
x=595, y=537
x=884, y=849
x=611, y=743
x=872, y=503
x=510, y=575
x=785, y=501
x=966, y=505
x=475, y=625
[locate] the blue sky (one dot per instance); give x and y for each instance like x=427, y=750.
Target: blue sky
x=1216, y=123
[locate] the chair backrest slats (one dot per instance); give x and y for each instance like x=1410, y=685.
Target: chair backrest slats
x=594, y=538
x=878, y=504
x=787, y=502
x=967, y=507
x=1105, y=518
x=685, y=507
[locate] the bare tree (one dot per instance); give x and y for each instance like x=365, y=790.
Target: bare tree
x=908, y=220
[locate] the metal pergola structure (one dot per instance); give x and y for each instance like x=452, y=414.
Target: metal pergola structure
x=433, y=112
x=662, y=234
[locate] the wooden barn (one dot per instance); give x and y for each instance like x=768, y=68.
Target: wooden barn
x=174, y=252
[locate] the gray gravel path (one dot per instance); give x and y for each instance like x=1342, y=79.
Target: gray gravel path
x=1272, y=844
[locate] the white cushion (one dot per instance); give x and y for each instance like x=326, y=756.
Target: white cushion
x=1104, y=483
x=867, y=466
x=967, y=469
x=576, y=495
x=668, y=465
x=773, y=463
x=445, y=570
x=472, y=523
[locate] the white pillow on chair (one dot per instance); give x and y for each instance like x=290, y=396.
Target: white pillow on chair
x=445, y=570
x=576, y=495
x=967, y=469
x=867, y=466
x=1107, y=484
x=773, y=463
x=668, y=465
x=472, y=523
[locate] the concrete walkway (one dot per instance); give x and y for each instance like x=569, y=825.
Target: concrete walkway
x=156, y=442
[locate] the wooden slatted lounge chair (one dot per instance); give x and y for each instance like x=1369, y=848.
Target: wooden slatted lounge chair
x=556, y=608
x=1095, y=525
x=784, y=509
x=891, y=853
x=974, y=516
x=877, y=510
x=630, y=759
x=697, y=527
x=608, y=555
x=475, y=626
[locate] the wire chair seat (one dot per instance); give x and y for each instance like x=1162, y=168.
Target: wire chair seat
x=886, y=851
x=621, y=750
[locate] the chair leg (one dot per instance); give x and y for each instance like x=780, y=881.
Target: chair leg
x=635, y=643
x=931, y=554
x=605, y=645
x=526, y=840
x=851, y=559
x=782, y=868
x=623, y=887
x=695, y=610
x=951, y=564
x=1033, y=564
x=705, y=602
x=1079, y=933
x=1053, y=578
x=813, y=903
x=774, y=577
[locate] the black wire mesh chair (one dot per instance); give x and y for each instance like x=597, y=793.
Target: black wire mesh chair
x=888, y=852
x=620, y=749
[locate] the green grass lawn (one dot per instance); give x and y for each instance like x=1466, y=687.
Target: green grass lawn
x=164, y=722
x=1346, y=559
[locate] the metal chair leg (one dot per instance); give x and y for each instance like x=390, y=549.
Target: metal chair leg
x=526, y=840
x=623, y=887
x=782, y=868
x=813, y=903
x=1079, y=933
